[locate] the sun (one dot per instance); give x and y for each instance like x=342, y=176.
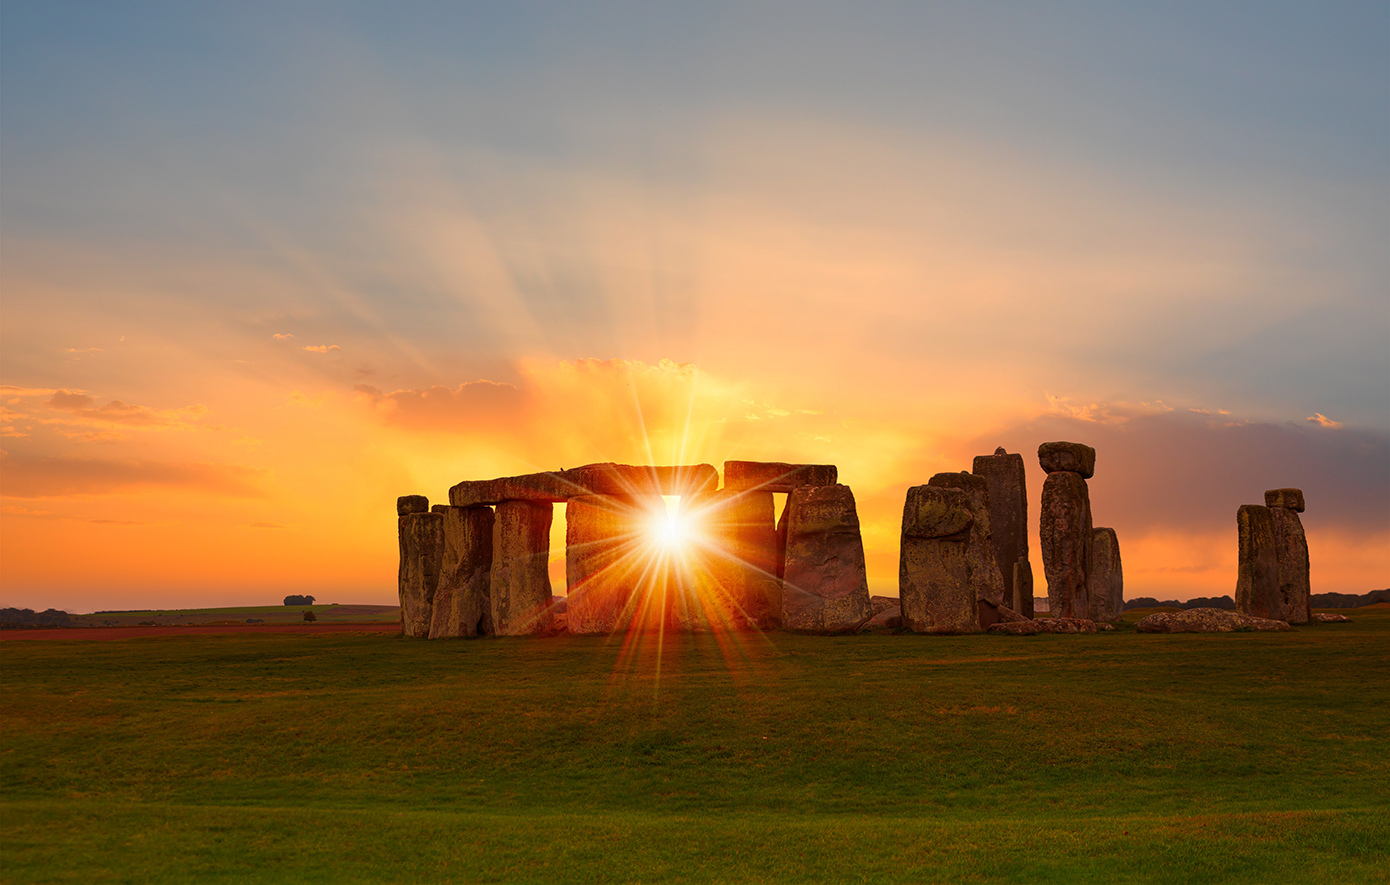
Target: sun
x=669, y=528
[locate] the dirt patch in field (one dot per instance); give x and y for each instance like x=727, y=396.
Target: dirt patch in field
x=106, y=633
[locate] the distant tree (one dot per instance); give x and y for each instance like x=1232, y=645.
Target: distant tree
x=299, y=600
x=309, y=616
x=11, y=618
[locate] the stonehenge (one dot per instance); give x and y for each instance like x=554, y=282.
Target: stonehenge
x=1272, y=559
x=480, y=564
x=724, y=559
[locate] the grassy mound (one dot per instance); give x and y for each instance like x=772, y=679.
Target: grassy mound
x=1114, y=757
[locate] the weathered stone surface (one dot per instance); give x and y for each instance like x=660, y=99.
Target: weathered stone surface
x=1023, y=588
x=930, y=515
x=979, y=548
x=1065, y=538
x=408, y=504
x=549, y=488
x=609, y=563
x=1009, y=616
x=1105, y=582
x=1327, y=618
x=1206, y=620
x=1008, y=514
x=881, y=604
x=890, y=618
x=1066, y=625
x=825, y=589
x=1290, y=498
x=934, y=586
x=1068, y=457
x=1015, y=628
x=1291, y=552
x=774, y=476
x=642, y=482
x=520, y=568
x=422, y=551
x=592, y=479
x=1257, y=566
x=463, y=602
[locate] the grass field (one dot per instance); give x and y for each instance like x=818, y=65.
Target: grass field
x=267, y=614
x=1116, y=757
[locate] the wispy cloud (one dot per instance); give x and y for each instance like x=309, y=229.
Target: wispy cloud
x=321, y=348
x=282, y=336
x=1323, y=421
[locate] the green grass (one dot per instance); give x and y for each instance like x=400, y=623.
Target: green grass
x=1116, y=757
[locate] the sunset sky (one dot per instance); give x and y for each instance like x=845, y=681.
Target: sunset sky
x=265, y=267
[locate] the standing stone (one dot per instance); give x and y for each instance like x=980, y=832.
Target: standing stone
x=520, y=568
x=731, y=562
x=422, y=548
x=1023, y=588
x=614, y=570
x=825, y=589
x=1008, y=518
x=1291, y=551
x=934, y=586
x=408, y=504
x=979, y=549
x=1257, y=569
x=463, y=602
x=1065, y=538
x=1105, y=583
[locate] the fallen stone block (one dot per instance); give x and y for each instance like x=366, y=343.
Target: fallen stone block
x=934, y=586
x=1291, y=499
x=775, y=476
x=883, y=603
x=1009, y=616
x=1065, y=538
x=463, y=602
x=1067, y=457
x=1328, y=618
x=1206, y=620
x=1015, y=628
x=1105, y=582
x=520, y=581
x=1065, y=625
x=1257, y=565
x=825, y=589
x=890, y=618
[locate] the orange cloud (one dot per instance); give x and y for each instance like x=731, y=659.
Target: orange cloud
x=282, y=336
x=48, y=477
x=321, y=348
x=1323, y=421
